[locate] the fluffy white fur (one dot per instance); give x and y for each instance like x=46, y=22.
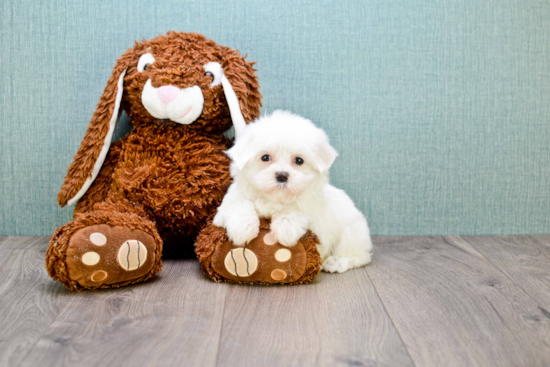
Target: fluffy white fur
x=305, y=201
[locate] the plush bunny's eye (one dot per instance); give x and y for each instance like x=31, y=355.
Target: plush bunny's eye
x=214, y=70
x=144, y=61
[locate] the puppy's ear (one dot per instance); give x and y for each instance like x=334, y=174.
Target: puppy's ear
x=324, y=154
x=242, y=152
x=95, y=145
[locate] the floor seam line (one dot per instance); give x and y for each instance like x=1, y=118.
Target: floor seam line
x=389, y=316
x=221, y=327
x=502, y=272
x=44, y=332
x=41, y=335
x=535, y=239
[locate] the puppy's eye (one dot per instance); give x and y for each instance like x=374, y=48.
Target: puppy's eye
x=266, y=158
x=299, y=161
x=209, y=74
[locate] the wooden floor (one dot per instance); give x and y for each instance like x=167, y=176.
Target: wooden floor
x=424, y=301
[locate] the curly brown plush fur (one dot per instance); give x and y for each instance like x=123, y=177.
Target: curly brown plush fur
x=163, y=177
x=213, y=245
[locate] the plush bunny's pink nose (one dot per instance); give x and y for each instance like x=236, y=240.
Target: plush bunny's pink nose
x=167, y=93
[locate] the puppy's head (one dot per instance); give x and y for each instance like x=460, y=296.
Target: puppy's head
x=281, y=155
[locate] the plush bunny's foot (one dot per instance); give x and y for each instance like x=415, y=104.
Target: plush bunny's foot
x=262, y=261
x=105, y=256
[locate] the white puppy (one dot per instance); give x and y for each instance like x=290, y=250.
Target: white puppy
x=280, y=171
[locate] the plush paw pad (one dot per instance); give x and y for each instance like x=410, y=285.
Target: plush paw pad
x=335, y=264
x=132, y=255
x=101, y=254
x=241, y=262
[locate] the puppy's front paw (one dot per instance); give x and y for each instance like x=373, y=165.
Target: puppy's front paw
x=335, y=264
x=287, y=235
x=243, y=232
x=287, y=231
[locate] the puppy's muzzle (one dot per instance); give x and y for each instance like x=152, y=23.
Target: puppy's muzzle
x=281, y=176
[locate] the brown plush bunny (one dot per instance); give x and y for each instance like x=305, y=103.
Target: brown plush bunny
x=164, y=180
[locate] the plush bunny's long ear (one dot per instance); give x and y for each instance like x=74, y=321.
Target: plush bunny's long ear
x=232, y=101
x=240, y=86
x=234, y=108
x=97, y=140
x=247, y=86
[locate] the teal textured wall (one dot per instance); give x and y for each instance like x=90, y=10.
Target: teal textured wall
x=439, y=109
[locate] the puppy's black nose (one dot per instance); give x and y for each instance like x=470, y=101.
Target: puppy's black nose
x=281, y=176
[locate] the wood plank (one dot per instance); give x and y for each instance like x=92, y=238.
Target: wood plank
x=338, y=320
x=452, y=307
x=172, y=320
x=542, y=238
x=29, y=299
x=525, y=259
x=23, y=242
x=8, y=244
